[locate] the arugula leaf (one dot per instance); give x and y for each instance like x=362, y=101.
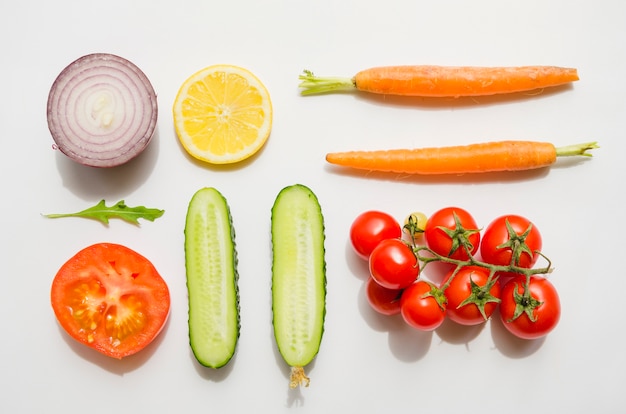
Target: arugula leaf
x=119, y=210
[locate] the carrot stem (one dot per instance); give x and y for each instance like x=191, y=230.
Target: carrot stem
x=576, y=150
x=312, y=84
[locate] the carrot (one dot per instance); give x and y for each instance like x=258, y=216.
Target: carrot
x=442, y=81
x=462, y=159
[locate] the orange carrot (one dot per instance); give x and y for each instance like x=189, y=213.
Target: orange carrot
x=442, y=81
x=474, y=158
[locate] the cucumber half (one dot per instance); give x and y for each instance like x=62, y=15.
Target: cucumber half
x=211, y=266
x=298, y=278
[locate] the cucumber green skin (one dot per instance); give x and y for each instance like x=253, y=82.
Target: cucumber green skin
x=211, y=264
x=298, y=303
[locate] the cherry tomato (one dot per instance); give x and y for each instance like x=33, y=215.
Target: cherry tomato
x=415, y=223
x=472, y=297
x=499, y=240
x=111, y=299
x=422, y=306
x=370, y=228
x=382, y=300
x=393, y=264
x=447, y=230
x=542, y=305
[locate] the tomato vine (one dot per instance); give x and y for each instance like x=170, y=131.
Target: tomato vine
x=460, y=239
x=502, y=275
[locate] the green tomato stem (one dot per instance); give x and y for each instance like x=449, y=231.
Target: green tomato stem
x=472, y=261
x=432, y=256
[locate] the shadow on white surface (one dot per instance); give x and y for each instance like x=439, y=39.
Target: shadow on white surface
x=428, y=103
x=457, y=334
x=357, y=266
x=508, y=344
x=294, y=397
x=214, y=374
x=469, y=179
x=408, y=344
x=405, y=343
x=90, y=183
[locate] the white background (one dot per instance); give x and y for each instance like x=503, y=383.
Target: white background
x=366, y=363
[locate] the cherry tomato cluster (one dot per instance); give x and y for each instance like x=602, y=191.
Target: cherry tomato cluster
x=482, y=270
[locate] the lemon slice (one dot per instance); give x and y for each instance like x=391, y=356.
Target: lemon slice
x=222, y=114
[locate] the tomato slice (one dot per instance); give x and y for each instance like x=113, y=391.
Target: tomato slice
x=111, y=299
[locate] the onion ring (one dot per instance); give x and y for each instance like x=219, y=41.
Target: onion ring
x=102, y=110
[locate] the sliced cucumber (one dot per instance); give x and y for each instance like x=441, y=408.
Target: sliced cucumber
x=211, y=265
x=298, y=278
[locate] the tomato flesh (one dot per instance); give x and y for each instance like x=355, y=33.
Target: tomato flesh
x=111, y=299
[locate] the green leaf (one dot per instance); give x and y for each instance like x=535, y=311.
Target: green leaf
x=119, y=210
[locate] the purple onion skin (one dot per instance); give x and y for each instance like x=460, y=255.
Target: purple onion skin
x=102, y=110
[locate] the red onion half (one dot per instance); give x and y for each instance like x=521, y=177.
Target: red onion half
x=102, y=110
